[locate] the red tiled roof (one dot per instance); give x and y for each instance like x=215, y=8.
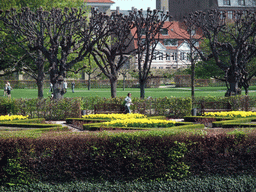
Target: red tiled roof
x=176, y=30
x=99, y=1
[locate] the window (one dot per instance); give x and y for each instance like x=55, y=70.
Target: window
x=174, y=56
x=171, y=42
x=182, y=56
x=160, y=67
x=230, y=14
x=161, y=56
x=226, y=2
x=241, y=2
x=168, y=56
x=164, y=31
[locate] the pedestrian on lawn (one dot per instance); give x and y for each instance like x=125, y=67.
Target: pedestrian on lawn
x=128, y=103
x=51, y=86
x=9, y=88
x=65, y=86
x=73, y=86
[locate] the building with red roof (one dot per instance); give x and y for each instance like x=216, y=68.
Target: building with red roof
x=173, y=48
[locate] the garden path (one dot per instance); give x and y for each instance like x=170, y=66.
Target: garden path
x=63, y=123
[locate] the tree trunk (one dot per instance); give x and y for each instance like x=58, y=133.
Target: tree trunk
x=113, y=83
x=233, y=89
x=233, y=78
x=40, y=88
x=40, y=75
x=123, y=82
x=142, y=88
x=89, y=81
x=58, y=90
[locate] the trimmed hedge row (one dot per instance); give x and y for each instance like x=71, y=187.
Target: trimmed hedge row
x=29, y=125
x=196, y=118
x=48, y=109
x=101, y=126
x=243, y=103
x=208, y=183
x=141, y=155
x=241, y=122
x=71, y=107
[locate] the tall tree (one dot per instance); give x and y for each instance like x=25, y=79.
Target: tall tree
x=15, y=54
x=147, y=34
x=58, y=34
x=111, y=52
x=232, y=39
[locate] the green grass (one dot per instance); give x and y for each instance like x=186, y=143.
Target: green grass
x=153, y=92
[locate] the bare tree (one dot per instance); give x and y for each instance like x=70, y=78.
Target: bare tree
x=229, y=38
x=111, y=52
x=58, y=35
x=146, y=36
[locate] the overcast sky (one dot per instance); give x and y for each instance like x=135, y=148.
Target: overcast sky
x=128, y=4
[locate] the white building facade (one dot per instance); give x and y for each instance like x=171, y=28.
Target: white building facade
x=173, y=49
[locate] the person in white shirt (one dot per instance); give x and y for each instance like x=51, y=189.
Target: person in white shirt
x=65, y=86
x=128, y=102
x=9, y=88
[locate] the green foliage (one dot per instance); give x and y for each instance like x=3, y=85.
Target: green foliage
x=13, y=172
x=208, y=183
x=239, y=135
x=28, y=125
x=240, y=122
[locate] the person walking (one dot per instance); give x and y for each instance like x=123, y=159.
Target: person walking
x=73, y=86
x=9, y=88
x=128, y=103
x=65, y=86
x=51, y=86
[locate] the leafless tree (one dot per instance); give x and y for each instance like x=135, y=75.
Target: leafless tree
x=147, y=33
x=63, y=37
x=229, y=38
x=111, y=53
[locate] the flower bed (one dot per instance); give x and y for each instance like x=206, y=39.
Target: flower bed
x=114, y=116
x=233, y=114
x=149, y=123
x=12, y=117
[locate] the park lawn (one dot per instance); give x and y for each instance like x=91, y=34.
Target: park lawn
x=152, y=92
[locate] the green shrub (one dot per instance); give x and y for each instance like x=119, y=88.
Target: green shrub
x=207, y=183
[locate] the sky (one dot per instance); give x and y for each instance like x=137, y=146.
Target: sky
x=128, y=4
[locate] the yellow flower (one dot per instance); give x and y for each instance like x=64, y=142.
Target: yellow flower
x=233, y=114
x=154, y=123
x=114, y=116
x=12, y=117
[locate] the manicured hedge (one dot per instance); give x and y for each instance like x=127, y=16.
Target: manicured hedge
x=207, y=183
x=71, y=107
x=128, y=156
x=235, y=121
x=196, y=118
x=29, y=125
x=242, y=103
